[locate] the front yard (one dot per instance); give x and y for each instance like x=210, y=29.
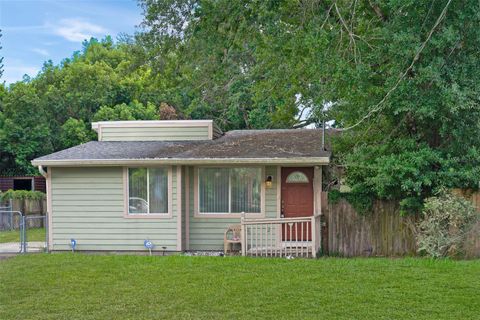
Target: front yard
x=76, y=286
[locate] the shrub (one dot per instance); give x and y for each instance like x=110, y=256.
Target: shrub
x=21, y=194
x=446, y=220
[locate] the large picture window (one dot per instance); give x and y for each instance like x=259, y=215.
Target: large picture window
x=229, y=190
x=147, y=191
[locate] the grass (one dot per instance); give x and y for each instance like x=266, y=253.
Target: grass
x=76, y=286
x=33, y=234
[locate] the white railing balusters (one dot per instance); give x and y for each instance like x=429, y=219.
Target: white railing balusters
x=282, y=237
x=256, y=240
x=251, y=237
x=301, y=237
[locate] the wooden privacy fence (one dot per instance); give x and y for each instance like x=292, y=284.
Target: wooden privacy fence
x=384, y=232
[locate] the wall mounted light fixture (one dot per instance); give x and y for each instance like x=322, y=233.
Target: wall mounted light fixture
x=268, y=182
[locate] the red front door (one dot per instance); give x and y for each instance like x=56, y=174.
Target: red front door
x=297, y=201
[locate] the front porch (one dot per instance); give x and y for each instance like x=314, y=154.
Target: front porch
x=288, y=224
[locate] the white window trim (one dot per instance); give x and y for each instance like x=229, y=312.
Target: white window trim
x=167, y=215
x=196, y=198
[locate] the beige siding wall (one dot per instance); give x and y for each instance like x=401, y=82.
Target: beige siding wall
x=154, y=133
x=88, y=205
x=207, y=233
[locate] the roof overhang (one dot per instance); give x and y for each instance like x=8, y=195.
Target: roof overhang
x=181, y=161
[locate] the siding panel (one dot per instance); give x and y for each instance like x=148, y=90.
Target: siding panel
x=154, y=134
x=88, y=206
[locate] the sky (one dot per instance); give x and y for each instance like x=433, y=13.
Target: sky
x=34, y=31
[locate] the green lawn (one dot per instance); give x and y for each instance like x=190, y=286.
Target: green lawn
x=33, y=234
x=76, y=286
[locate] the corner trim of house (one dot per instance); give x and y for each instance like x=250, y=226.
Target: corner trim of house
x=187, y=208
x=210, y=130
x=49, y=208
x=317, y=190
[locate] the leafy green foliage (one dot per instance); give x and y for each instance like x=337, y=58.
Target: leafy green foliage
x=74, y=132
x=362, y=203
x=444, y=226
x=21, y=194
x=132, y=111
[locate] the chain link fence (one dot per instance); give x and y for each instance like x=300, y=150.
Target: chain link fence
x=20, y=233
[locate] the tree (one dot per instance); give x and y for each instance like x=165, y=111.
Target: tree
x=25, y=132
x=132, y=111
x=74, y=132
x=53, y=111
x=400, y=75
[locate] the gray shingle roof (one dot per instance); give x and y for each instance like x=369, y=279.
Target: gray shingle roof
x=240, y=144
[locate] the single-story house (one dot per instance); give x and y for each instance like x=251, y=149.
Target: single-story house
x=179, y=184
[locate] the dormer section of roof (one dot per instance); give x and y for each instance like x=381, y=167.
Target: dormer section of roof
x=157, y=130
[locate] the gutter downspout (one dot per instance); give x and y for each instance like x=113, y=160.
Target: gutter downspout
x=42, y=171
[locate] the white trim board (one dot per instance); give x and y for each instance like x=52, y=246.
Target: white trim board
x=304, y=161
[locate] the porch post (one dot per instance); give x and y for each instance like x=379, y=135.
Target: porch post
x=317, y=191
x=317, y=210
x=187, y=208
x=179, y=209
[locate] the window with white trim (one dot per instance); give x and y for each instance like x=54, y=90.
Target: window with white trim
x=229, y=190
x=147, y=190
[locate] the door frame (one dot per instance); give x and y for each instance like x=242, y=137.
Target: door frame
x=312, y=182
x=317, y=187
x=317, y=192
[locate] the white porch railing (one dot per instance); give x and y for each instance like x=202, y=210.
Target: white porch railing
x=281, y=237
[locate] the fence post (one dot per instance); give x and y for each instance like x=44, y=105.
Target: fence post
x=24, y=235
x=47, y=226
x=10, y=208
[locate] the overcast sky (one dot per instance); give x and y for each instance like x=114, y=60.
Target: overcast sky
x=38, y=30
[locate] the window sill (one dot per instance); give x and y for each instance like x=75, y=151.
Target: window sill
x=228, y=215
x=148, y=216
